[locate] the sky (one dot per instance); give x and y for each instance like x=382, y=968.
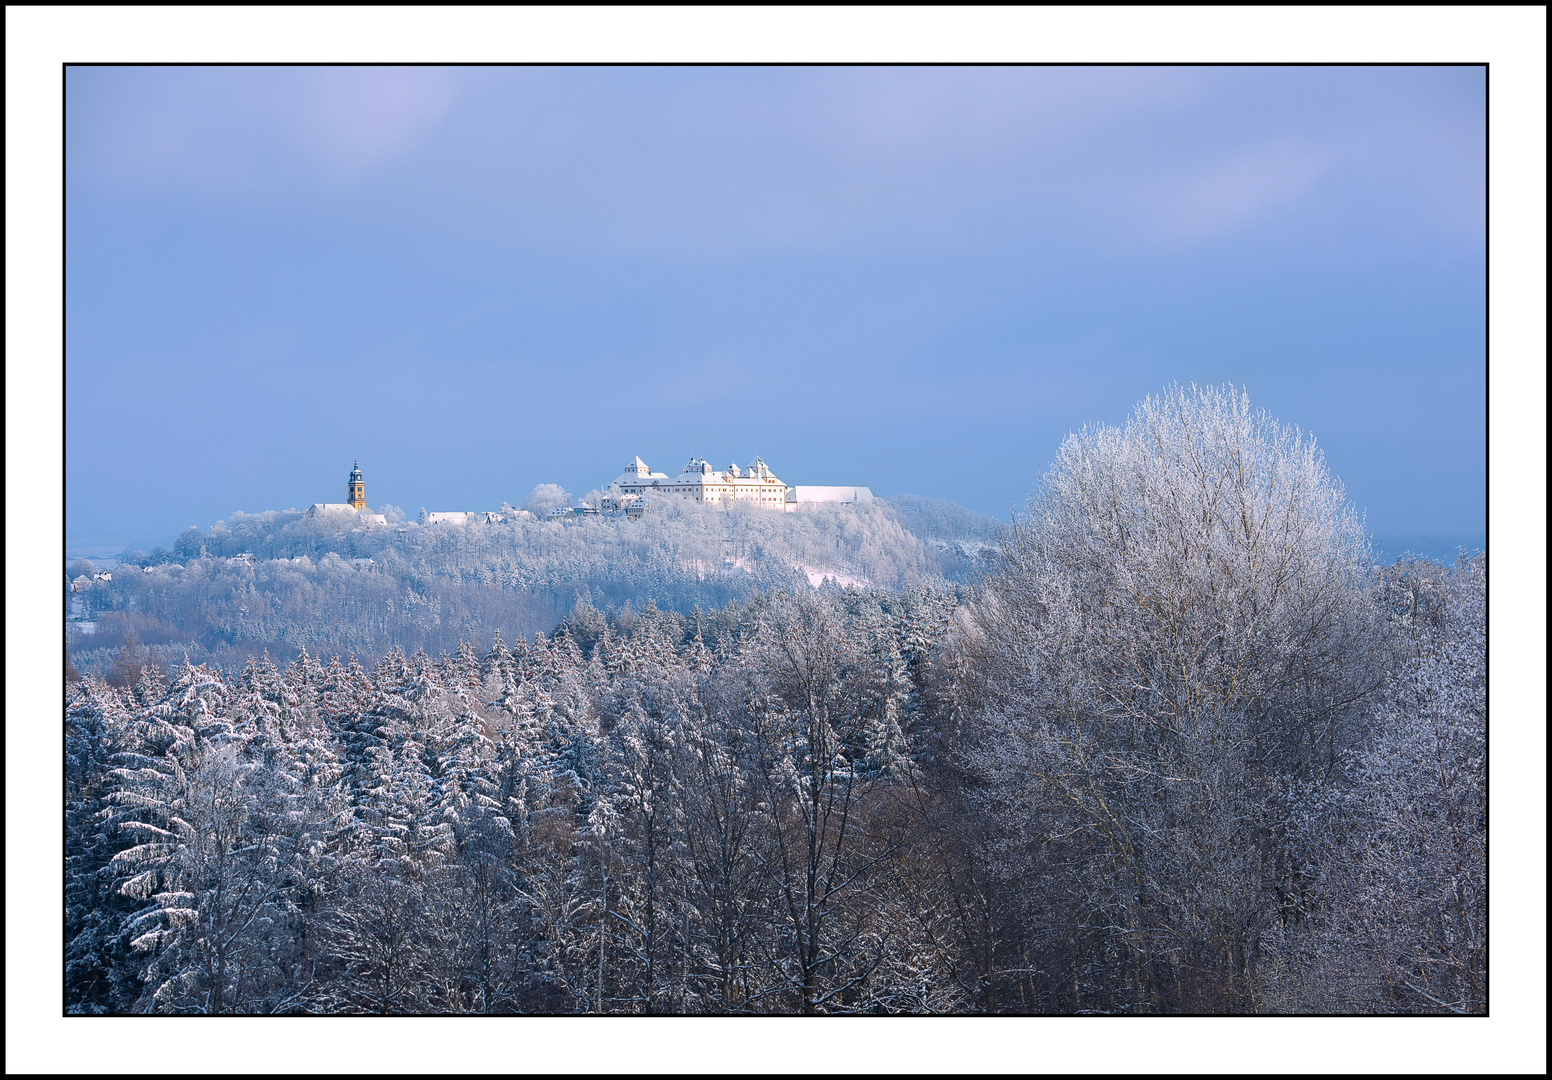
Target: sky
x=474, y=280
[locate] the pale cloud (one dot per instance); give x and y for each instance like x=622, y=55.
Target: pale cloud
x=351, y=119
x=957, y=115
x=1237, y=191
x=717, y=162
x=692, y=163
x=239, y=129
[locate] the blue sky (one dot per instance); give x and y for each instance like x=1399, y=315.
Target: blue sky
x=919, y=279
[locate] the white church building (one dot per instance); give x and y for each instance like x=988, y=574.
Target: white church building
x=699, y=482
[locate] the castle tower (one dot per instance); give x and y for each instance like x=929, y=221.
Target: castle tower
x=357, y=497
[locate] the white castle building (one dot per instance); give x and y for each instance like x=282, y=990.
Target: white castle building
x=699, y=482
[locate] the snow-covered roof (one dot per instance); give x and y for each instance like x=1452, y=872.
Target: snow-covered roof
x=698, y=467
x=698, y=471
x=637, y=471
x=330, y=508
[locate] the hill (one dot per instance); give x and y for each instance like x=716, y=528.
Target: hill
x=281, y=582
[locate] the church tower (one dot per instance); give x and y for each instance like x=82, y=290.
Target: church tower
x=357, y=488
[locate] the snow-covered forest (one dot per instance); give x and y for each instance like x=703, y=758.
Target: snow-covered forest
x=1178, y=747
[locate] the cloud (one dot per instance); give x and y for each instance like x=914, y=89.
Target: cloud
x=953, y=116
x=243, y=128
x=733, y=163
x=351, y=119
x=1237, y=191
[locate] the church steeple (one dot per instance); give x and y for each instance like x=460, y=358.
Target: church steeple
x=357, y=488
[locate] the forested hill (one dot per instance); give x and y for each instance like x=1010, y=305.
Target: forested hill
x=279, y=581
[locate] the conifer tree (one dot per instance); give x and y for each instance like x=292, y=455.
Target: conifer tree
x=97, y=959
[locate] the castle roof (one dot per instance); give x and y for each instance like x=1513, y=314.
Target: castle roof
x=636, y=472
x=698, y=471
x=698, y=467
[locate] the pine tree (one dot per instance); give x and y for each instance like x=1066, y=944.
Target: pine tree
x=222, y=839
x=97, y=960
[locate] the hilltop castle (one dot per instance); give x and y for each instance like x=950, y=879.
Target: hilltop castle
x=699, y=482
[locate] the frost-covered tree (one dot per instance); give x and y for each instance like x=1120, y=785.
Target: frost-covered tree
x=97, y=729
x=1175, y=629
x=809, y=738
x=127, y=664
x=1415, y=879
x=222, y=841
x=544, y=498
x=723, y=878
x=378, y=941
x=646, y=797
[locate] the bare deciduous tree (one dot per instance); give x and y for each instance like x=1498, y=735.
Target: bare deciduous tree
x=1176, y=629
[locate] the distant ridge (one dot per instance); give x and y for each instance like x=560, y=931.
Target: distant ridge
x=939, y=519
